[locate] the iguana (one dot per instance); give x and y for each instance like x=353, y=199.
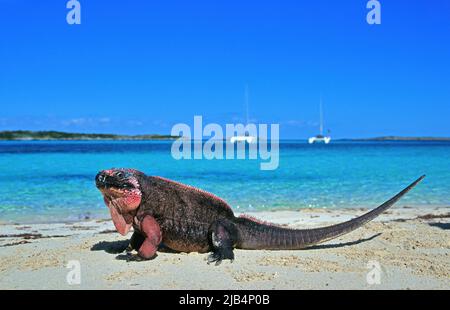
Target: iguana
x=187, y=219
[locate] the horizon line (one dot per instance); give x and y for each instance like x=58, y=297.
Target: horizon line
x=113, y=136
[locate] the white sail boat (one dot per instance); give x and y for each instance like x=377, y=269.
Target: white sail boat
x=246, y=138
x=320, y=138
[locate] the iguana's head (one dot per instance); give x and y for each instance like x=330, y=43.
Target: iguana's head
x=122, y=194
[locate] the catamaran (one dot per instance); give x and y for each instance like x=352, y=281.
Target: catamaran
x=247, y=137
x=320, y=138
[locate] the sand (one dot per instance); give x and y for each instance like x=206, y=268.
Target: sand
x=405, y=248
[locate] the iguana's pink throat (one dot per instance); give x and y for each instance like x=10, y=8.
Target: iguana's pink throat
x=122, y=208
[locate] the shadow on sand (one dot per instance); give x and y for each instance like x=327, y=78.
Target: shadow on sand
x=440, y=225
x=340, y=245
x=119, y=247
x=111, y=247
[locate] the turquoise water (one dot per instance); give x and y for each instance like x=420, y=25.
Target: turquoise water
x=54, y=181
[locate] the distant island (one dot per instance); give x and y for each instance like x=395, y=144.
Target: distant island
x=397, y=138
x=24, y=135
x=27, y=135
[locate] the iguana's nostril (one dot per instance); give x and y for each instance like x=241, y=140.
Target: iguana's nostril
x=100, y=177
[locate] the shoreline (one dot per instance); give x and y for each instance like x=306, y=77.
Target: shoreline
x=411, y=245
x=104, y=215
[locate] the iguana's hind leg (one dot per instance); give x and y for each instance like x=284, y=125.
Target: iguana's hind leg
x=222, y=237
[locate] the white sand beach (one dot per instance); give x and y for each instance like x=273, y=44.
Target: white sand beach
x=411, y=246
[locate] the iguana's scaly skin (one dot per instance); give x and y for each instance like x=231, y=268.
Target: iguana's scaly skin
x=187, y=219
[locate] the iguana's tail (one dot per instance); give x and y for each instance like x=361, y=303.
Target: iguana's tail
x=253, y=234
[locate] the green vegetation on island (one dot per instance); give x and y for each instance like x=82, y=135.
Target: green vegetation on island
x=58, y=135
x=23, y=135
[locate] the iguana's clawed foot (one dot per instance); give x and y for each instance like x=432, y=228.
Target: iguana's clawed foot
x=214, y=257
x=220, y=255
x=221, y=237
x=129, y=257
x=136, y=258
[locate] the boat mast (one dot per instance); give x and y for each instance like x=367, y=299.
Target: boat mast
x=246, y=103
x=321, y=118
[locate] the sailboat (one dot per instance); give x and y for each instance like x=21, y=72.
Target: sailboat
x=246, y=138
x=320, y=138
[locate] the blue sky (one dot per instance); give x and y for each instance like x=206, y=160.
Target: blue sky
x=141, y=66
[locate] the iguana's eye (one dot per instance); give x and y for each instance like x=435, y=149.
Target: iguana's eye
x=119, y=174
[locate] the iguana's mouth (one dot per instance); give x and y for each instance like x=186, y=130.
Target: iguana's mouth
x=103, y=181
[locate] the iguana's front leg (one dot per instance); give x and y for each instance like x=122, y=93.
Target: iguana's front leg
x=135, y=242
x=151, y=231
